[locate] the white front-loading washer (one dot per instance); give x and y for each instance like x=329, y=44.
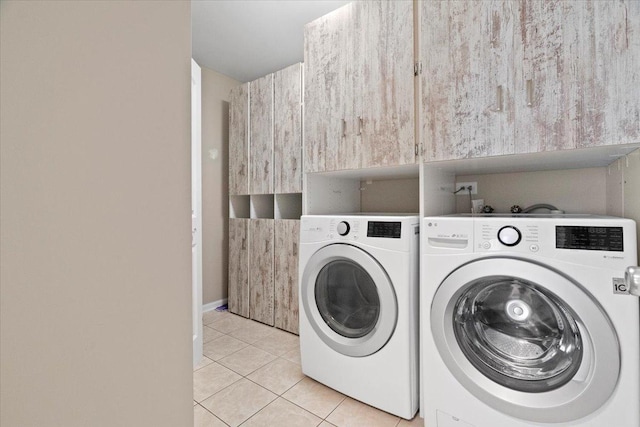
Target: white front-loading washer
x=359, y=307
x=526, y=322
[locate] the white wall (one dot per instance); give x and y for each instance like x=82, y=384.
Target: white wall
x=215, y=183
x=95, y=214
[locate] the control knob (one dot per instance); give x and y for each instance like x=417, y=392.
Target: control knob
x=343, y=228
x=509, y=235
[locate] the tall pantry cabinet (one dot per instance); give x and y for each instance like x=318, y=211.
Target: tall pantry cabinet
x=264, y=219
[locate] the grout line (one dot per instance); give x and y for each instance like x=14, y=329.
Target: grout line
x=217, y=418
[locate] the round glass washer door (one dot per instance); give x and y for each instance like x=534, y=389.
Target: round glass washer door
x=525, y=339
x=349, y=300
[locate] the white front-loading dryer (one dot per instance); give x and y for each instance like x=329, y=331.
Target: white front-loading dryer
x=525, y=322
x=359, y=307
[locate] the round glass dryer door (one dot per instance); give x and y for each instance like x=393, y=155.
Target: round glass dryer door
x=525, y=339
x=349, y=300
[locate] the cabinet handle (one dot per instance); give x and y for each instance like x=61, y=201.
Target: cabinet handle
x=499, y=98
x=359, y=125
x=344, y=128
x=295, y=249
x=244, y=244
x=529, y=93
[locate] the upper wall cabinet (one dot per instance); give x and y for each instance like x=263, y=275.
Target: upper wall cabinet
x=287, y=130
x=261, y=136
x=358, y=90
x=239, y=140
x=528, y=76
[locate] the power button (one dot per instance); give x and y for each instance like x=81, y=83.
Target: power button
x=486, y=245
x=534, y=248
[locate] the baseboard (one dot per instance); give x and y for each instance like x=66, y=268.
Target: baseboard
x=213, y=305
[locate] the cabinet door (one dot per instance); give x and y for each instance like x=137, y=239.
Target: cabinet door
x=385, y=82
x=467, y=83
x=239, y=140
x=288, y=130
x=322, y=119
x=287, y=236
x=261, y=291
x=261, y=136
x=617, y=27
x=238, y=292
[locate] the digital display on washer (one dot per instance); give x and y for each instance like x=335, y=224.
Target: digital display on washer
x=589, y=238
x=389, y=229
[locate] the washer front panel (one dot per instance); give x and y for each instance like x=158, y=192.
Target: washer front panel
x=349, y=300
x=483, y=309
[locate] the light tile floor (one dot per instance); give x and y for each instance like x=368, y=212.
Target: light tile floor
x=250, y=376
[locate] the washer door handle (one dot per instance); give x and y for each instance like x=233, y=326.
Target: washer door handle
x=632, y=280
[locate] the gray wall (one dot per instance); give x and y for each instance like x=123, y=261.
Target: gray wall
x=95, y=214
x=215, y=183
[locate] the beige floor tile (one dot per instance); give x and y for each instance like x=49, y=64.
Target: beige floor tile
x=209, y=334
x=204, y=362
x=326, y=424
x=222, y=347
x=247, y=360
x=236, y=403
x=277, y=376
x=230, y=323
x=316, y=398
x=213, y=316
x=293, y=355
x=211, y=379
x=252, y=332
x=204, y=418
x=279, y=342
x=351, y=413
x=415, y=422
x=283, y=413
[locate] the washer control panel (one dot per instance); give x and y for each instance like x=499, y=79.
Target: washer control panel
x=583, y=239
x=501, y=235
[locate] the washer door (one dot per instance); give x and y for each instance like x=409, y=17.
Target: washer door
x=349, y=300
x=525, y=339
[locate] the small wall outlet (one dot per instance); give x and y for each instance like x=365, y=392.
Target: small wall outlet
x=473, y=185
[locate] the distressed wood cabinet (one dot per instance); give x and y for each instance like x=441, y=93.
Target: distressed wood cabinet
x=528, y=76
x=261, y=136
x=287, y=129
x=359, y=92
x=238, y=292
x=287, y=237
x=239, y=140
x=261, y=270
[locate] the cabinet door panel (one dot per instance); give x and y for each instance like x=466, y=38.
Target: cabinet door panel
x=238, y=292
x=322, y=89
x=287, y=236
x=261, y=266
x=261, y=136
x=239, y=140
x=385, y=83
x=617, y=64
x=288, y=130
x=467, y=103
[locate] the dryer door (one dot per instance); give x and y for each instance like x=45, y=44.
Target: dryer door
x=349, y=300
x=525, y=339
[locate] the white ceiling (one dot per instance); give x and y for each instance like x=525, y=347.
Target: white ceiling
x=247, y=39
